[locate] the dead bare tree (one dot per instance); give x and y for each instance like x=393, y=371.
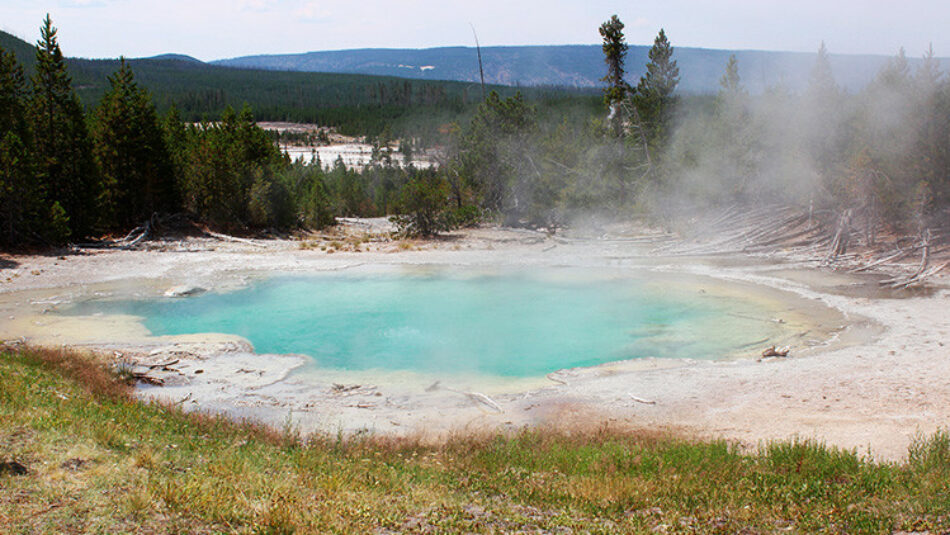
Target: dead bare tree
x=839, y=243
x=481, y=71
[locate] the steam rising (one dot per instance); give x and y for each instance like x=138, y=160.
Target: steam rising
x=878, y=152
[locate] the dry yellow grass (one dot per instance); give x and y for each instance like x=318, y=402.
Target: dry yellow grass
x=99, y=461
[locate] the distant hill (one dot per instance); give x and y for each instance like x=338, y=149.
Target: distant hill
x=356, y=103
x=25, y=52
x=174, y=57
x=571, y=65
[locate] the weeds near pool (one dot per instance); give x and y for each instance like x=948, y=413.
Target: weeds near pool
x=351, y=243
x=86, y=370
x=154, y=468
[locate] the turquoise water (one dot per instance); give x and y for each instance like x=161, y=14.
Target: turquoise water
x=508, y=325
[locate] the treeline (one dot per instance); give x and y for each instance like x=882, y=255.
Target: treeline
x=353, y=104
x=549, y=166
x=66, y=174
x=879, y=158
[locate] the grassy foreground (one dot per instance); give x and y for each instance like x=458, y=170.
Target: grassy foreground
x=101, y=462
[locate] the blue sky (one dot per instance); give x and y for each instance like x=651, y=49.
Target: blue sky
x=212, y=29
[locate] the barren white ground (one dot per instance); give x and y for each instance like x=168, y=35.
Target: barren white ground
x=871, y=386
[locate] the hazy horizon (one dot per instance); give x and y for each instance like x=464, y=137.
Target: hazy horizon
x=215, y=29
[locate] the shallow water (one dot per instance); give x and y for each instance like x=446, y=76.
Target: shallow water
x=503, y=324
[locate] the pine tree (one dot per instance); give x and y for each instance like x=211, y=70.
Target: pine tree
x=227, y=165
x=175, y=136
x=13, y=96
x=424, y=203
x=734, y=138
x=22, y=215
x=130, y=149
x=930, y=157
x=61, y=140
x=494, y=151
x=928, y=74
x=821, y=82
x=821, y=118
x=654, y=97
x=895, y=74
x=615, y=52
x=731, y=84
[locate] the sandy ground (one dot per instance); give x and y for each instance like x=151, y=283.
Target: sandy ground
x=870, y=375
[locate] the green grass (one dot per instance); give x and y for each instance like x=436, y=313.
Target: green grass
x=101, y=462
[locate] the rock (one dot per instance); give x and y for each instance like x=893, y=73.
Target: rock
x=776, y=352
x=13, y=468
x=184, y=290
x=73, y=464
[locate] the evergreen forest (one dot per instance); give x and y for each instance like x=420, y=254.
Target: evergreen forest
x=81, y=159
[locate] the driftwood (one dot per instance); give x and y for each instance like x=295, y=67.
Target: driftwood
x=135, y=236
x=813, y=235
x=889, y=258
x=839, y=243
x=477, y=397
x=136, y=231
x=556, y=379
x=773, y=351
x=142, y=373
x=225, y=237
x=923, y=271
x=146, y=231
x=147, y=379
x=345, y=391
x=742, y=231
x=918, y=278
x=641, y=400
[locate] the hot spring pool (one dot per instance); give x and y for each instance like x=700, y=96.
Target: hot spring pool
x=510, y=324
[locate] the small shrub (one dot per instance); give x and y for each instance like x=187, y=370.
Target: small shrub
x=930, y=454
x=465, y=217
x=423, y=205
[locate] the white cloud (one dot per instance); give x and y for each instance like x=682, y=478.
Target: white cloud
x=83, y=3
x=314, y=11
x=256, y=5
x=640, y=22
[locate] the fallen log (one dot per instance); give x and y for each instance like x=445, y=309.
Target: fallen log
x=896, y=256
x=148, y=379
x=839, y=244
x=163, y=365
x=917, y=279
x=773, y=351
x=477, y=397
x=225, y=237
x=641, y=400
x=552, y=377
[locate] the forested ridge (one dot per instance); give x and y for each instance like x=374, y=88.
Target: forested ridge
x=354, y=104
x=877, y=159
x=572, y=65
